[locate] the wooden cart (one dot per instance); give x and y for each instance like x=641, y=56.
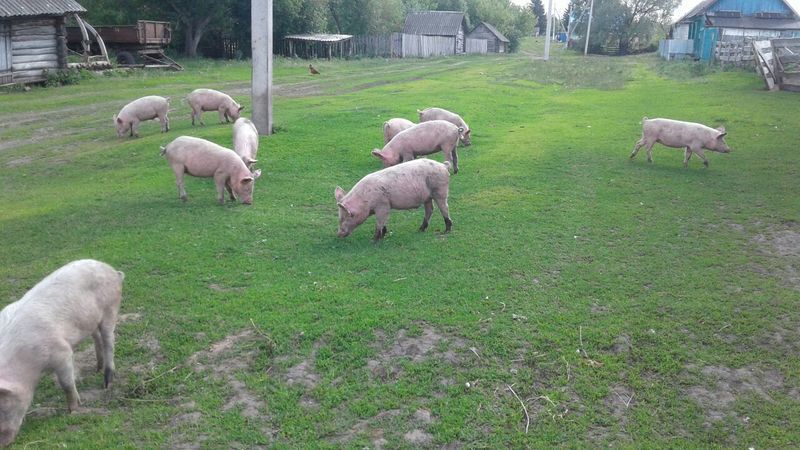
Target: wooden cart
x=139, y=45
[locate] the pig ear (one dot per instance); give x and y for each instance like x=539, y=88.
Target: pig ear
x=257, y=173
x=241, y=108
x=721, y=129
x=339, y=193
x=119, y=120
x=377, y=153
x=340, y=205
x=721, y=135
x=246, y=180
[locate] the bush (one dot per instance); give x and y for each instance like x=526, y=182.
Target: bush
x=63, y=77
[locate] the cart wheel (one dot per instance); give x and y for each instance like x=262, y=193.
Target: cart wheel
x=125, y=59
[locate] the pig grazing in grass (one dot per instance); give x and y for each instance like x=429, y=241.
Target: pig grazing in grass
x=202, y=158
x=210, y=100
x=422, y=139
x=443, y=114
x=145, y=108
x=404, y=186
x=693, y=137
x=245, y=140
x=39, y=332
x=393, y=126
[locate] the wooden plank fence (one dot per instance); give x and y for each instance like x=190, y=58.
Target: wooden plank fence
x=762, y=52
x=419, y=46
x=786, y=54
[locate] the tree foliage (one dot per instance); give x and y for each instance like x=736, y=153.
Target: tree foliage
x=629, y=24
x=541, y=16
x=206, y=26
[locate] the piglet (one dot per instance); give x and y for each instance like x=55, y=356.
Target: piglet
x=202, y=158
x=145, y=108
x=422, y=139
x=39, y=333
x=404, y=186
x=693, y=137
x=393, y=126
x=245, y=140
x=210, y=100
x=443, y=114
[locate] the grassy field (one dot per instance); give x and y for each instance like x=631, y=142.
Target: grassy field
x=581, y=300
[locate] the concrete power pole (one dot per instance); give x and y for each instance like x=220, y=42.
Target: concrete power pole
x=588, y=28
x=261, y=26
x=547, y=30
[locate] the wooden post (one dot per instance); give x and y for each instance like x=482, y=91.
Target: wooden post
x=261, y=26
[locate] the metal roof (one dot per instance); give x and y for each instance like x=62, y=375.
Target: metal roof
x=21, y=8
x=755, y=23
x=434, y=23
x=494, y=31
x=703, y=6
x=319, y=37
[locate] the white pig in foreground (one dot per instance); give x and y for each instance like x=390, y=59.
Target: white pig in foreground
x=694, y=137
x=39, y=332
x=245, y=141
x=202, y=158
x=443, y=114
x=404, y=186
x=145, y=108
x=393, y=126
x=422, y=139
x=210, y=100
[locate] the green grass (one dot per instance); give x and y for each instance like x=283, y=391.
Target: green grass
x=626, y=303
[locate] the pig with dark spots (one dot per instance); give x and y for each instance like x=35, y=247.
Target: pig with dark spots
x=404, y=186
x=422, y=139
x=693, y=137
x=245, y=141
x=39, y=333
x=202, y=158
x=393, y=126
x=139, y=110
x=210, y=100
x=443, y=114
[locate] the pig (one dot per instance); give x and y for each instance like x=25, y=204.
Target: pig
x=422, y=139
x=443, y=114
x=404, y=186
x=145, y=108
x=210, y=100
x=245, y=141
x=39, y=333
x=202, y=158
x=694, y=137
x=393, y=126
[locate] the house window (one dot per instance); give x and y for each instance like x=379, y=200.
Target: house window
x=5, y=47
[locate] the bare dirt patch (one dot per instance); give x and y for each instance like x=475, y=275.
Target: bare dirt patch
x=782, y=244
x=428, y=344
x=724, y=385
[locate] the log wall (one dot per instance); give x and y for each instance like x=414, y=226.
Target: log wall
x=37, y=44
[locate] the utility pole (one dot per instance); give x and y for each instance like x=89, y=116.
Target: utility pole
x=261, y=42
x=588, y=28
x=547, y=31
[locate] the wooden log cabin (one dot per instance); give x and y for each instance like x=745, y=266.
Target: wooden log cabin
x=33, y=38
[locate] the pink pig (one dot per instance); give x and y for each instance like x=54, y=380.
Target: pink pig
x=145, y=108
x=404, y=186
x=694, y=137
x=422, y=139
x=202, y=158
x=245, y=140
x=443, y=114
x=393, y=126
x=210, y=100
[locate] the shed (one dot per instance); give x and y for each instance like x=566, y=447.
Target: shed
x=735, y=20
x=317, y=45
x=496, y=42
x=450, y=24
x=33, y=38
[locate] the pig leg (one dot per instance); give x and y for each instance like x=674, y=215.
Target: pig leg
x=381, y=217
x=636, y=148
x=687, y=153
x=701, y=153
x=223, y=117
x=221, y=186
x=455, y=160
x=107, y=336
x=179, y=170
x=650, y=151
x=135, y=128
x=441, y=203
x=164, y=122
x=98, y=348
x=230, y=191
x=65, y=373
x=428, y=212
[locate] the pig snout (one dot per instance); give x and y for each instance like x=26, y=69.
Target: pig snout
x=343, y=233
x=7, y=436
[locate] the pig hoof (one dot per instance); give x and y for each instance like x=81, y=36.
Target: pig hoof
x=183, y=199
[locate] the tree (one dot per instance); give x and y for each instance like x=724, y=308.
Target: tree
x=541, y=17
